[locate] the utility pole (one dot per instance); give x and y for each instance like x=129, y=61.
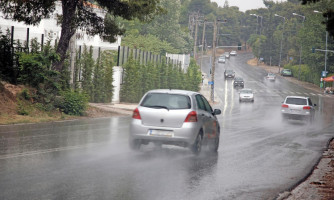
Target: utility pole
x=280, y=54
x=213, y=60
x=196, y=29
x=203, y=38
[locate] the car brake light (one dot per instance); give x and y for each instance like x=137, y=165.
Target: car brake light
x=136, y=114
x=192, y=117
x=285, y=106
x=306, y=108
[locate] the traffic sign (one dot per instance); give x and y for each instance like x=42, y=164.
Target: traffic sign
x=324, y=73
x=210, y=82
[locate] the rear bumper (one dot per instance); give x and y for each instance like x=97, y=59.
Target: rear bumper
x=182, y=136
x=296, y=116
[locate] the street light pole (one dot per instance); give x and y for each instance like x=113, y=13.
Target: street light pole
x=280, y=54
x=203, y=38
x=257, y=20
x=301, y=46
x=326, y=43
x=214, y=60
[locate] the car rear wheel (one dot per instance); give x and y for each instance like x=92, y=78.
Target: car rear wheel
x=134, y=144
x=197, y=146
x=215, y=145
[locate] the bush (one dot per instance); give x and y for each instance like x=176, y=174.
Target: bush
x=25, y=94
x=21, y=108
x=74, y=103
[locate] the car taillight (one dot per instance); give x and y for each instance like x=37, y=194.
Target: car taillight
x=306, y=108
x=192, y=117
x=136, y=114
x=285, y=106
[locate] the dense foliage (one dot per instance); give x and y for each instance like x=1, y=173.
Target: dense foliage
x=298, y=37
x=34, y=69
x=73, y=102
x=96, y=75
x=138, y=79
x=7, y=72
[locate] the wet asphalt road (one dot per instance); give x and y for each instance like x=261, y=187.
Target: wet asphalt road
x=259, y=156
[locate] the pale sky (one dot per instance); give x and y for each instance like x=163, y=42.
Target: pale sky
x=243, y=4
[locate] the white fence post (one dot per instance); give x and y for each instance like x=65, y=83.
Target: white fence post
x=117, y=79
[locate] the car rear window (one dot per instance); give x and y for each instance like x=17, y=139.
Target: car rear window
x=168, y=101
x=296, y=101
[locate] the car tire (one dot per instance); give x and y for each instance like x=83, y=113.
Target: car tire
x=134, y=144
x=215, y=144
x=197, y=146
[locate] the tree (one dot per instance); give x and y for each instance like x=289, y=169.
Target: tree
x=328, y=15
x=80, y=14
x=7, y=72
x=87, y=71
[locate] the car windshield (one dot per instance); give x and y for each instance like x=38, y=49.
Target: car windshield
x=296, y=101
x=229, y=71
x=238, y=79
x=167, y=101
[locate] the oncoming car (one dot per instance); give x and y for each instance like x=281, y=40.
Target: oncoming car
x=227, y=55
x=221, y=59
x=246, y=95
x=298, y=108
x=238, y=82
x=229, y=73
x=175, y=117
x=271, y=77
x=233, y=53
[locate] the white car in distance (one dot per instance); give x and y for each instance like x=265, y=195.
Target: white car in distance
x=246, y=94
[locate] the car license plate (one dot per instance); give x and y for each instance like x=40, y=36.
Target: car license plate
x=295, y=111
x=160, y=133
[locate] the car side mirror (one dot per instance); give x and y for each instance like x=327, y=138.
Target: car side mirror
x=217, y=112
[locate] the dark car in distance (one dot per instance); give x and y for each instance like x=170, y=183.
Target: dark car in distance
x=238, y=82
x=229, y=73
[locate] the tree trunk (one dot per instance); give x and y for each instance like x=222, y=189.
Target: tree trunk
x=68, y=28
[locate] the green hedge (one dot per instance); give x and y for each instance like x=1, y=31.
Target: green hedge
x=73, y=102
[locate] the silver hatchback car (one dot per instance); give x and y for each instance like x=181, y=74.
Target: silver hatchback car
x=298, y=107
x=175, y=117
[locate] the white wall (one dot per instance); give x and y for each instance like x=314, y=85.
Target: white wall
x=183, y=58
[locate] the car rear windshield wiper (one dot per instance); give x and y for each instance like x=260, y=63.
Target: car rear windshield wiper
x=157, y=106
